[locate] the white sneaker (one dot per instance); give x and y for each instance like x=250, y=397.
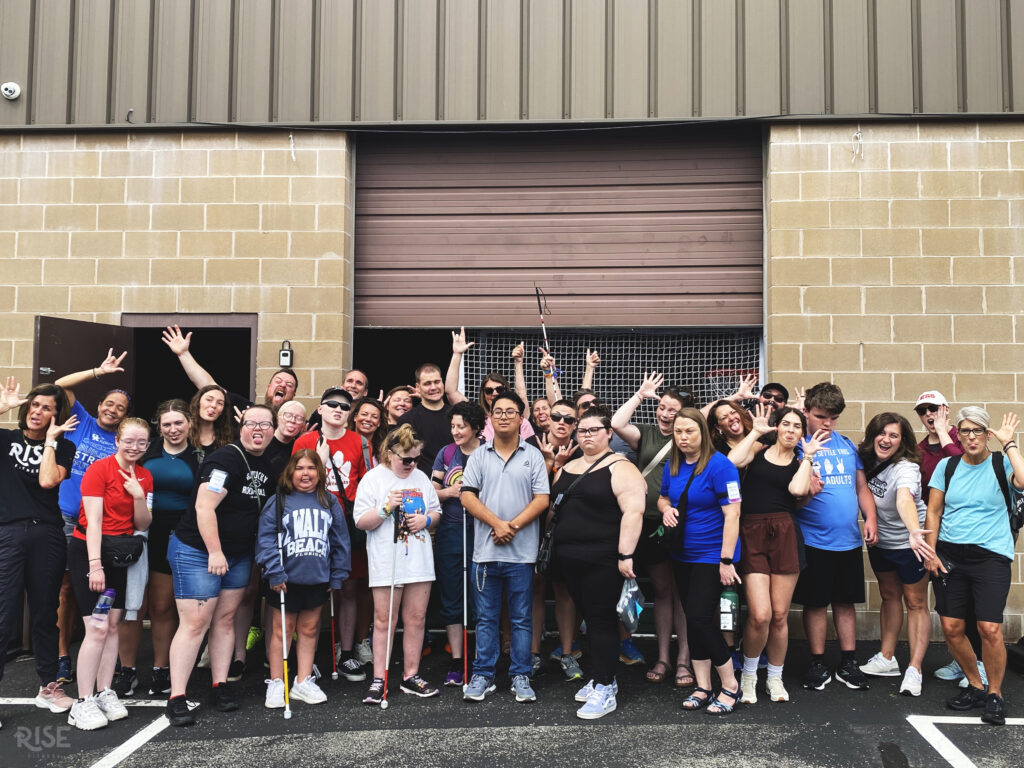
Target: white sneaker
x=363, y=652
x=748, y=685
x=308, y=691
x=600, y=702
x=275, y=694
x=911, y=685
x=110, y=705
x=879, y=666
x=53, y=698
x=86, y=715
x=776, y=690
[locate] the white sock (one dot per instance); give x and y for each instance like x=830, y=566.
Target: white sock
x=750, y=665
x=775, y=671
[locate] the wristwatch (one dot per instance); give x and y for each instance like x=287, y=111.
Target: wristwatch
x=726, y=561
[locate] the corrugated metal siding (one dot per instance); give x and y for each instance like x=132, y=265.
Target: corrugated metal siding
x=351, y=62
x=654, y=228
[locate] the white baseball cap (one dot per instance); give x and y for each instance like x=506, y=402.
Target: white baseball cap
x=931, y=397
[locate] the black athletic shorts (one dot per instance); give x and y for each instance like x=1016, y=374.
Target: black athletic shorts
x=974, y=572
x=78, y=569
x=830, y=577
x=650, y=550
x=298, y=597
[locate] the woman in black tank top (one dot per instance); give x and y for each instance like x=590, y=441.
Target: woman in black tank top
x=600, y=504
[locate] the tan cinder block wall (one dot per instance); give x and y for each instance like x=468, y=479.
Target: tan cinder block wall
x=898, y=268
x=93, y=225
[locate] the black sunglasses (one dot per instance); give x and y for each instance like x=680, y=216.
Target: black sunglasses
x=921, y=410
x=776, y=396
x=570, y=420
x=408, y=461
x=493, y=390
x=337, y=404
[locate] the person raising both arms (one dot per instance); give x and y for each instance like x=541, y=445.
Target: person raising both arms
x=281, y=387
x=35, y=459
x=94, y=438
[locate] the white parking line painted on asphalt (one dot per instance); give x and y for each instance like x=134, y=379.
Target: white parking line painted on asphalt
x=925, y=726
x=136, y=742
x=126, y=702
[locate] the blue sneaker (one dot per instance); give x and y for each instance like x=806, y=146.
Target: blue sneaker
x=600, y=702
x=65, y=674
x=478, y=688
x=556, y=655
x=521, y=688
x=628, y=654
x=981, y=671
x=950, y=671
x=586, y=690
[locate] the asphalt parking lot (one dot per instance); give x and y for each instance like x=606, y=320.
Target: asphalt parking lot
x=835, y=727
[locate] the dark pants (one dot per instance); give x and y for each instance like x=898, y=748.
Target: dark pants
x=32, y=557
x=700, y=586
x=595, y=590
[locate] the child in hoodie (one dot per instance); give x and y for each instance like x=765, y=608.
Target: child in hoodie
x=312, y=557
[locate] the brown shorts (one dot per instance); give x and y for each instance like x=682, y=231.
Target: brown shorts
x=770, y=544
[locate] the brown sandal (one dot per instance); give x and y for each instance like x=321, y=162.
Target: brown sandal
x=684, y=676
x=654, y=676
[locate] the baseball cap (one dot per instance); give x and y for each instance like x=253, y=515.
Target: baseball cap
x=333, y=393
x=931, y=397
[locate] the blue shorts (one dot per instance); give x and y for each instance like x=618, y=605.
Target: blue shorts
x=903, y=561
x=192, y=578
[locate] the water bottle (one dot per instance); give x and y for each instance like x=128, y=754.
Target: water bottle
x=729, y=607
x=102, y=609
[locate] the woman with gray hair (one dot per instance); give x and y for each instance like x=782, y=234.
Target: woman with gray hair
x=968, y=526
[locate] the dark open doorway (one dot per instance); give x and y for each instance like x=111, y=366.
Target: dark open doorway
x=390, y=356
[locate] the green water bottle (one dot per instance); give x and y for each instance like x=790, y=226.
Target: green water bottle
x=729, y=609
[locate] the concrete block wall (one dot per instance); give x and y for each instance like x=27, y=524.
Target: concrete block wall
x=895, y=265
x=96, y=224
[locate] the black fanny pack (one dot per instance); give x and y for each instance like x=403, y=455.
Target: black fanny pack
x=119, y=551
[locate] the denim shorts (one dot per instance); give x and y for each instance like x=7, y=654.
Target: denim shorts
x=192, y=578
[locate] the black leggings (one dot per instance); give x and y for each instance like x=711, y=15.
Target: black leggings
x=595, y=590
x=699, y=588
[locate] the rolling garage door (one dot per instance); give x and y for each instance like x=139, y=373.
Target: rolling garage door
x=645, y=227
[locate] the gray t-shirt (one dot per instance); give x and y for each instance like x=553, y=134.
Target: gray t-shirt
x=506, y=488
x=892, y=532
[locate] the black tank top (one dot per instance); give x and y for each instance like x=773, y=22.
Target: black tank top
x=588, y=523
x=765, y=487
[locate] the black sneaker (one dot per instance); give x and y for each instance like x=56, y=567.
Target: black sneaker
x=995, y=710
x=817, y=677
x=849, y=673
x=160, y=685
x=417, y=686
x=236, y=670
x=178, y=711
x=352, y=670
x=125, y=682
x=375, y=692
x=968, y=698
x=223, y=699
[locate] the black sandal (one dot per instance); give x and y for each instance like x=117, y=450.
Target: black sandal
x=723, y=708
x=692, y=703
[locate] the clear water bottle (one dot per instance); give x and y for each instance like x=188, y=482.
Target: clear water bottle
x=102, y=610
x=729, y=607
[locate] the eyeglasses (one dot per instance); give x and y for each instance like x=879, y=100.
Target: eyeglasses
x=588, y=431
x=493, y=390
x=777, y=397
x=973, y=432
x=921, y=410
x=258, y=424
x=504, y=413
x=292, y=418
x=337, y=404
x=135, y=443
x=570, y=420
x=407, y=461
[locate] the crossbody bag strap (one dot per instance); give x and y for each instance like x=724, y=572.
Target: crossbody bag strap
x=565, y=494
x=658, y=458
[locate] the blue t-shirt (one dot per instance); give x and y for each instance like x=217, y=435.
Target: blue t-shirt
x=451, y=473
x=974, y=510
x=172, y=483
x=92, y=442
x=704, y=523
x=829, y=519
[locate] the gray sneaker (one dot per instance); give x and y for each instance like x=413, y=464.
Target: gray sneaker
x=521, y=688
x=584, y=693
x=536, y=664
x=571, y=667
x=478, y=688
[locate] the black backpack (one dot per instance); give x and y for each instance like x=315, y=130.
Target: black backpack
x=1014, y=507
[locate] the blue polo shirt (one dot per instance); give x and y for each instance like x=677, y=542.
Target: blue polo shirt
x=506, y=488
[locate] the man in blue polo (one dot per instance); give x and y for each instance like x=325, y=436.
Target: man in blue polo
x=505, y=487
